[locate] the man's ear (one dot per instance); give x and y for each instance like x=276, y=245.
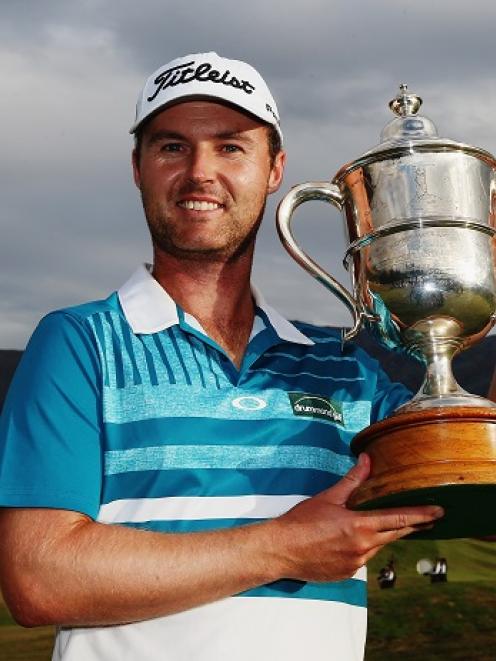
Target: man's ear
x=136, y=171
x=277, y=172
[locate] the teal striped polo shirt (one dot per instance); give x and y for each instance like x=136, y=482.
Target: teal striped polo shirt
x=125, y=410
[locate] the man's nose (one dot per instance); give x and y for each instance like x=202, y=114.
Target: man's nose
x=201, y=165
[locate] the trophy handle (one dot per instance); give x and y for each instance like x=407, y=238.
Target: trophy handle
x=315, y=190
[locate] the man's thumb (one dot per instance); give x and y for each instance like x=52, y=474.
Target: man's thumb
x=343, y=489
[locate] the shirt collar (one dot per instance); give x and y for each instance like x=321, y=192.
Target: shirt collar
x=284, y=328
x=148, y=308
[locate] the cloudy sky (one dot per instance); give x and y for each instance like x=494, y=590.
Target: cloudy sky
x=71, y=224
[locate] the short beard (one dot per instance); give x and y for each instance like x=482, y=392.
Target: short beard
x=233, y=251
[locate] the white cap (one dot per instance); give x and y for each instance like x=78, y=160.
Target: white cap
x=211, y=76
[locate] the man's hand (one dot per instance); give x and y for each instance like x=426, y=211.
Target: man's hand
x=322, y=540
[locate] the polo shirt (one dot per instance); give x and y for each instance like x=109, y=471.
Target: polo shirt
x=125, y=410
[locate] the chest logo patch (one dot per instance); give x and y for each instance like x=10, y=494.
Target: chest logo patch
x=316, y=406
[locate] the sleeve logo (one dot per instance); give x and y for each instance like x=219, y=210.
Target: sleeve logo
x=316, y=406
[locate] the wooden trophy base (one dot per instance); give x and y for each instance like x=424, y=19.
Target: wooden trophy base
x=438, y=456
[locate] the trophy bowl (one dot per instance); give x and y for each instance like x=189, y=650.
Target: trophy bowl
x=420, y=215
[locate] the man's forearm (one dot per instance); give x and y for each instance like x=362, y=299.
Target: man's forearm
x=59, y=567
x=87, y=573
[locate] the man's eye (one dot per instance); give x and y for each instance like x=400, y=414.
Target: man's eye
x=172, y=147
x=231, y=149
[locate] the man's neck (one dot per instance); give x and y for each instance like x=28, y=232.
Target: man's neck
x=217, y=294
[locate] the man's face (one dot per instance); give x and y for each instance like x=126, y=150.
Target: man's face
x=204, y=172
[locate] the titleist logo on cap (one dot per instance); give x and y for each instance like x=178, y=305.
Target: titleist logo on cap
x=185, y=73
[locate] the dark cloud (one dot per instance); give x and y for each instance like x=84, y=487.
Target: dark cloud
x=71, y=222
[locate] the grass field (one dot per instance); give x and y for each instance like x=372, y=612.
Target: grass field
x=437, y=622
x=17, y=644
x=416, y=621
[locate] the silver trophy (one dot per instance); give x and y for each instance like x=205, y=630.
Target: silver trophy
x=420, y=214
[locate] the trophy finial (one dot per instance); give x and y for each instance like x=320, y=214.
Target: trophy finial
x=405, y=103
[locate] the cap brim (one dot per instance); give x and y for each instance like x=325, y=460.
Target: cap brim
x=201, y=97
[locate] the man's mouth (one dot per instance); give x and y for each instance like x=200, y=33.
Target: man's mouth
x=199, y=205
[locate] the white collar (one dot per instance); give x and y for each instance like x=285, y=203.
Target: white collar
x=149, y=308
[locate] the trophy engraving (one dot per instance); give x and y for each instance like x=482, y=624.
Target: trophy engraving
x=420, y=214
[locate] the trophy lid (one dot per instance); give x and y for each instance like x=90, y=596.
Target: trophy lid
x=407, y=128
x=409, y=133
x=407, y=125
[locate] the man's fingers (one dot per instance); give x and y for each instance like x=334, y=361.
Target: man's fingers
x=343, y=489
x=394, y=535
x=392, y=525
x=405, y=517
x=384, y=538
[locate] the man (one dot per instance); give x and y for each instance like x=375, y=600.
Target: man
x=167, y=453
x=387, y=576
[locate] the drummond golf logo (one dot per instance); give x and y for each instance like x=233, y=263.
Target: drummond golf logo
x=316, y=406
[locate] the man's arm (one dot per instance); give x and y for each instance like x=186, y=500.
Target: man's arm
x=61, y=567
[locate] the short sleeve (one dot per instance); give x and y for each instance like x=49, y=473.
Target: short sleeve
x=50, y=428
x=388, y=396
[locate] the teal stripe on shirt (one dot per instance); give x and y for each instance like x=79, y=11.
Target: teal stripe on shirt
x=163, y=356
x=171, y=332
x=125, y=335
x=226, y=457
x=312, y=375
x=150, y=365
x=211, y=366
x=186, y=431
x=116, y=351
x=215, y=482
x=95, y=322
x=197, y=362
x=352, y=592
x=134, y=404
x=325, y=358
